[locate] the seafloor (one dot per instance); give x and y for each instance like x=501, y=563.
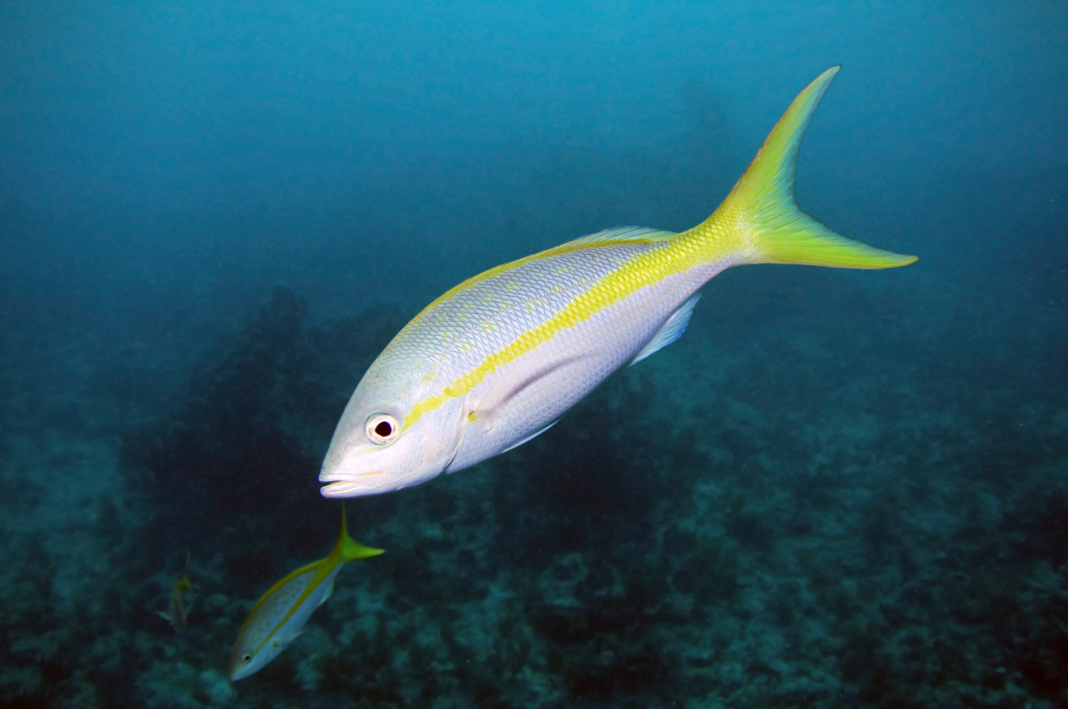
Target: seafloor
x=772, y=512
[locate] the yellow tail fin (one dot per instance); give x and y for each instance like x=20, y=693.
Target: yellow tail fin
x=348, y=548
x=761, y=209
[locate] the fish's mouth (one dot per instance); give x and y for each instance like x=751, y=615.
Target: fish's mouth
x=350, y=485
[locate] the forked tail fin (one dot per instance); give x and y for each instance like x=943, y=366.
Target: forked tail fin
x=348, y=548
x=760, y=222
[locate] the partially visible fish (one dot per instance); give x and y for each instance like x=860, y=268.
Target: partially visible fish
x=278, y=617
x=179, y=610
x=501, y=357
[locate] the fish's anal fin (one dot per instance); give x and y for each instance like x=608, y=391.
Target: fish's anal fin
x=167, y=617
x=328, y=592
x=670, y=331
x=530, y=437
x=283, y=641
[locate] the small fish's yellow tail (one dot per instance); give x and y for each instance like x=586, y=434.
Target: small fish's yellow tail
x=348, y=548
x=760, y=222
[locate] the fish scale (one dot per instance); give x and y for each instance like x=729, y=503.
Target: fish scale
x=275, y=608
x=494, y=309
x=511, y=303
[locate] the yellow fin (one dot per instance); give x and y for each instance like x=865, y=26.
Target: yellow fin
x=344, y=551
x=348, y=548
x=328, y=592
x=183, y=583
x=762, y=205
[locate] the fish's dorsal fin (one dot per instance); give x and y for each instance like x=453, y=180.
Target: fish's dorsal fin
x=670, y=330
x=608, y=237
x=622, y=235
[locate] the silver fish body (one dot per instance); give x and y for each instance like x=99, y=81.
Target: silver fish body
x=502, y=356
x=278, y=618
x=495, y=407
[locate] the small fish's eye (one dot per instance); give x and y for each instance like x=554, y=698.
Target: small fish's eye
x=381, y=428
x=247, y=657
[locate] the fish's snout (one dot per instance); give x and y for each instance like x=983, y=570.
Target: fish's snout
x=242, y=672
x=344, y=484
x=242, y=662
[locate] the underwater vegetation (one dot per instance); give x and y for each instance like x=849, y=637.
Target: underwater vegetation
x=671, y=541
x=243, y=437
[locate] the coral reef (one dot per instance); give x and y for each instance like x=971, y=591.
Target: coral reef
x=793, y=527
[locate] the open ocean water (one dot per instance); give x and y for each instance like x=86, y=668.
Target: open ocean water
x=837, y=489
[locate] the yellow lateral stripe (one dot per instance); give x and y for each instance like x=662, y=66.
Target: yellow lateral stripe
x=759, y=222
x=567, y=248
x=680, y=254
x=277, y=585
x=316, y=581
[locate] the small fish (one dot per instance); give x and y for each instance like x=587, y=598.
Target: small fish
x=278, y=617
x=501, y=357
x=179, y=611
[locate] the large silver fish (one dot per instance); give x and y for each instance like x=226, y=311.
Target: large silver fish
x=500, y=357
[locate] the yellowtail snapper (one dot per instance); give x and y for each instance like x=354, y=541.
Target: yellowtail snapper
x=501, y=357
x=279, y=616
x=179, y=612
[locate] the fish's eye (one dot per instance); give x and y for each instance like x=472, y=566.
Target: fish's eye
x=247, y=657
x=381, y=428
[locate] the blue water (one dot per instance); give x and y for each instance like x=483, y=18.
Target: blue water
x=837, y=489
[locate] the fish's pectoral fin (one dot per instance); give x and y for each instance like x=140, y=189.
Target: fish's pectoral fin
x=466, y=417
x=511, y=383
x=670, y=331
x=283, y=642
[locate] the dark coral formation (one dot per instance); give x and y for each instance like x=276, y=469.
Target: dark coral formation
x=244, y=444
x=230, y=452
